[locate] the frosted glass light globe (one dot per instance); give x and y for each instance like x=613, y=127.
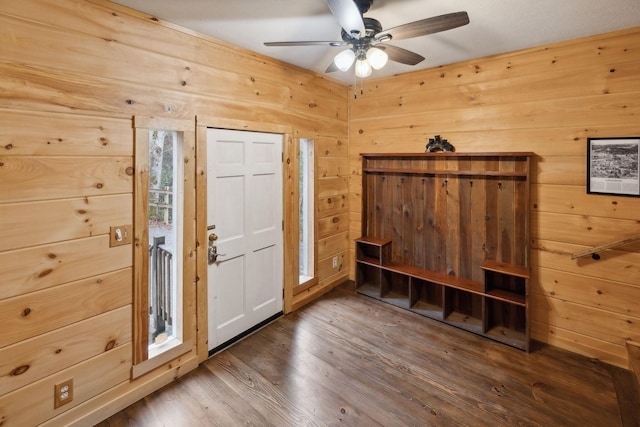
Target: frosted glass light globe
x=363, y=69
x=344, y=59
x=377, y=57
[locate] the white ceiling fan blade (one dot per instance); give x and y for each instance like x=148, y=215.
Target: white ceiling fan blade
x=348, y=16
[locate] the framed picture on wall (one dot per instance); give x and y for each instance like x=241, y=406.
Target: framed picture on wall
x=612, y=166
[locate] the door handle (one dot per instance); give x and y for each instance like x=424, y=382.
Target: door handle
x=212, y=254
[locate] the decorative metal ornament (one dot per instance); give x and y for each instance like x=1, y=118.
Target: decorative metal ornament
x=437, y=144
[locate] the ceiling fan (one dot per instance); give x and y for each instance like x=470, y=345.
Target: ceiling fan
x=367, y=40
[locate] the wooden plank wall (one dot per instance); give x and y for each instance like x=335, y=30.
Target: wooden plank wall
x=73, y=73
x=547, y=100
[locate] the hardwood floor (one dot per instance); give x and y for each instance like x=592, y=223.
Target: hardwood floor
x=350, y=360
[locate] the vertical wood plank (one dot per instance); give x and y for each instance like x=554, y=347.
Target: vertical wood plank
x=466, y=223
x=409, y=218
x=477, y=212
x=522, y=197
x=375, y=192
x=189, y=250
x=141, y=247
x=201, y=243
x=366, y=199
x=506, y=227
x=431, y=191
x=454, y=226
x=291, y=218
x=418, y=202
x=440, y=225
x=384, y=206
x=491, y=217
x=397, y=204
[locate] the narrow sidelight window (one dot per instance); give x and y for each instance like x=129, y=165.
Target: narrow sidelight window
x=165, y=239
x=306, y=205
x=164, y=242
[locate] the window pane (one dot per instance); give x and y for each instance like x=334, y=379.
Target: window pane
x=164, y=236
x=306, y=238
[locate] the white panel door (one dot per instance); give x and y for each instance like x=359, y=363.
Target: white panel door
x=244, y=204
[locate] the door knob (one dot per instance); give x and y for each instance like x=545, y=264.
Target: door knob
x=213, y=237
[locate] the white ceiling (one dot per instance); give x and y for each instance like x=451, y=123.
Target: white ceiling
x=496, y=26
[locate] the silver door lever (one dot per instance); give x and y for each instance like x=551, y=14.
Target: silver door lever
x=212, y=254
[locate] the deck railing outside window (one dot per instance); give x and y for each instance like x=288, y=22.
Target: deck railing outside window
x=160, y=291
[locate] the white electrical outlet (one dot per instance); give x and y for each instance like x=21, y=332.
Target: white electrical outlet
x=335, y=262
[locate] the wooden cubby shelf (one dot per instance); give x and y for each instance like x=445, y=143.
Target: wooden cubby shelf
x=445, y=235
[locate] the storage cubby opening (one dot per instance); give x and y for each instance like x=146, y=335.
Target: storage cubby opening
x=369, y=253
x=506, y=322
x=504, y=282
x=464, y=309
x=395, y=288
x=373, y=250
x=427, y=298
x=368, y=280
x=502, y=314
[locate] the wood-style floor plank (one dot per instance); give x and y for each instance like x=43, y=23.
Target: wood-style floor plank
x=472, y=374
x=387, y=374
x=350, y=360
x=319, y=387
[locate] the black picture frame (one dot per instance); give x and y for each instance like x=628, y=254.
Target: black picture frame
x=613, y=166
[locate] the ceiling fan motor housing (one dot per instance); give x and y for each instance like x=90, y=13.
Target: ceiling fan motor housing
x=371, y=26
x=363, y=5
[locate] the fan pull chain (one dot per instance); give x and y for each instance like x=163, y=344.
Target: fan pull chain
x=355, y=86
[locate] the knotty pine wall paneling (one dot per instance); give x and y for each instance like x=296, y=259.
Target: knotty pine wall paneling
x=73, y=74
x=547, y=100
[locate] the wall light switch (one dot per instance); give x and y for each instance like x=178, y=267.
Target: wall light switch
x=120, y=235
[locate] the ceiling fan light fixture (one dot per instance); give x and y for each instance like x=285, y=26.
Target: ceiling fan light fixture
x=377, y=58
x=363, y=69
x=344, y=59
x=363, y=37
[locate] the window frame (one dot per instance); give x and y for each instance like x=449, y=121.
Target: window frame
x=143, y=362
x=309, y=280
